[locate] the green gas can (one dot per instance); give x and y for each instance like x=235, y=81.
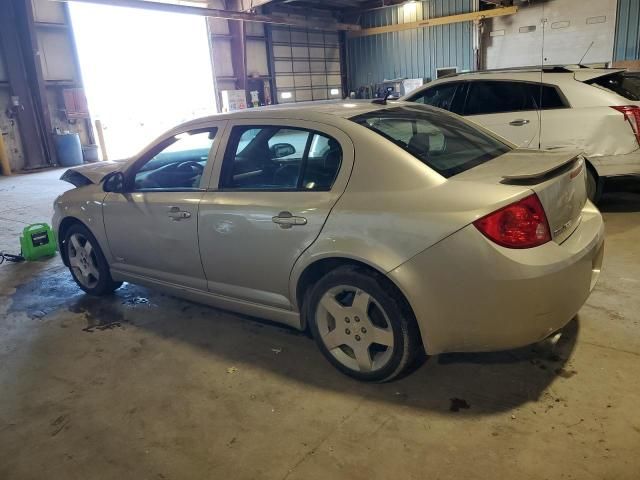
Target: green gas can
x=37, y=241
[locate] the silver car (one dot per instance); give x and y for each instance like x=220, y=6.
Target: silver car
x=385, y=229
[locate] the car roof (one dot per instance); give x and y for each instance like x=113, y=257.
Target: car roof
x=324, y=111
x=553, y=75
x=310, y=110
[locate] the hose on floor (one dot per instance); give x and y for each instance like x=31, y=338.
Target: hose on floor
x=10, y=258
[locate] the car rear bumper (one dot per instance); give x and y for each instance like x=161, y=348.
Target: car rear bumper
x=469, y=294
x=617, y=165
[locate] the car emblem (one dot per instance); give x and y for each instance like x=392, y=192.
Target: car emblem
x=558, y=231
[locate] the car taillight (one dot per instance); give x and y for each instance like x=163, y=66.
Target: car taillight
x=522, y=224
x=632, y=115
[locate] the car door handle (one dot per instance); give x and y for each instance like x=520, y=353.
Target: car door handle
x=519, y=122
x=287, y=220
x=176, y=214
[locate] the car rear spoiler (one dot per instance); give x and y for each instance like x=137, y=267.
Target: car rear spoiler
x=544, y=165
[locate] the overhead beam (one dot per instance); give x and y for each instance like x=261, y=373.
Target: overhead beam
x=319, y=24
x=373, y=5
x=248, y=5
x=431, y=22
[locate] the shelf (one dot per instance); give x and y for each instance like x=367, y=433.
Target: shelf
x=61, y=83
x=63, y=26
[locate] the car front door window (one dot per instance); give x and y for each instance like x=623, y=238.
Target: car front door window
x=442, y=96
x=178, y=165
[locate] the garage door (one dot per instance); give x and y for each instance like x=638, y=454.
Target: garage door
x=306, y=64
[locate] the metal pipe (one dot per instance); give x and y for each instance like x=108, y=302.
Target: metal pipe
x=229, y=15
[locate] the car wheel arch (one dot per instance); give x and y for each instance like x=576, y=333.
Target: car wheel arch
x=599, y=179
x=64, y=227
x=317, y=269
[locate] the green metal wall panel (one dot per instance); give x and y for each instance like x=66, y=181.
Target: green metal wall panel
x=411, y=53
x=627, y=43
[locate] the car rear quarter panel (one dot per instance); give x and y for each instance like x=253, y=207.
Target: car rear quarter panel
x=394, y=207
x=598, y=131
x=469, y=294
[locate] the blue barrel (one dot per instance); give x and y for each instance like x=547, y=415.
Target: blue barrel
x=68, y=149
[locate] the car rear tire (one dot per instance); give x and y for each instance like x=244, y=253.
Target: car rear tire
x=361, y=325
x=86, y=262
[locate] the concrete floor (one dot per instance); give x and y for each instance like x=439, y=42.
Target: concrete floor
x=146, y=386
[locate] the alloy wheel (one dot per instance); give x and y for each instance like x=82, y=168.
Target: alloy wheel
x=355, y=329
x=82, y=260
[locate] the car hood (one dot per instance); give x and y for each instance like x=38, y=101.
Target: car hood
x=91, y=173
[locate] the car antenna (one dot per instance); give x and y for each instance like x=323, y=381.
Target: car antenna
x=585, y=54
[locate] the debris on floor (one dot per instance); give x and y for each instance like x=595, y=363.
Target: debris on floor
x=457, y=404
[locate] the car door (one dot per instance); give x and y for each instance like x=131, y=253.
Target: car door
x=556, y=118
x=506, y=108
x=152, y=228
x=272, y=189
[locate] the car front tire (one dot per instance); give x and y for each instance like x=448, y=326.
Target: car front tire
x=361, y=325
x=87, y=263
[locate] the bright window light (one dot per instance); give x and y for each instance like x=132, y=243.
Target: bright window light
x=334, y=91
x=286, y=95
x=140, y=81
x=409, y=8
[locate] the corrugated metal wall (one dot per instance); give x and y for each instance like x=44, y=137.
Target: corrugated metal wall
x=627, y=44
x=411, y=53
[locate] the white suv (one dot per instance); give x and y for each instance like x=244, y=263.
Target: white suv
x=595, y=110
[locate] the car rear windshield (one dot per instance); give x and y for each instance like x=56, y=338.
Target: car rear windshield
x=626, y=85
x=438, y=139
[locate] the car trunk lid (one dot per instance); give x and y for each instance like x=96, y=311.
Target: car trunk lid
x=557, y=177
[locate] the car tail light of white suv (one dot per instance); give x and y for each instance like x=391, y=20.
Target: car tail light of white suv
x=632, y=115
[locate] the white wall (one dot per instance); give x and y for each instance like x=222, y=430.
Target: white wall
x=570, y=27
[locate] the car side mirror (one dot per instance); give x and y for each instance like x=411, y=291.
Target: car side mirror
x=280, y=150
x=114, y=182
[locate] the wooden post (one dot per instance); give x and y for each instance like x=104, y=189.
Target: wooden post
x=103, y=146
x=4, y=160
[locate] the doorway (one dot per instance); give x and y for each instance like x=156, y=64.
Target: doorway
x=144, y=71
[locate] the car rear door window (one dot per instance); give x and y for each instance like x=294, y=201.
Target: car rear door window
x=279, y=158
x=446, y=96
x=489, y=97
x=443, y=142
x=546, y=97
